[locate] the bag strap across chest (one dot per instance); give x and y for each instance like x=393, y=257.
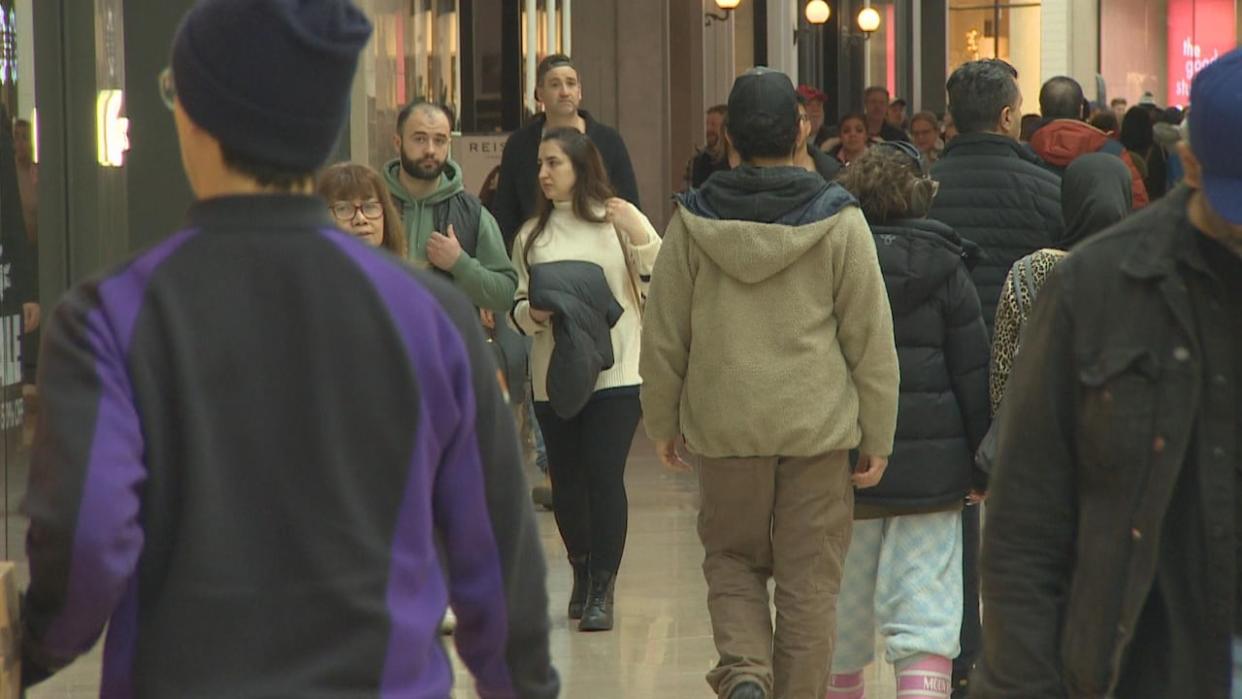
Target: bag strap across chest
x=464, y=212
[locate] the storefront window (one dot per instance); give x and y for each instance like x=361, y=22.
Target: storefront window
x=1158, y=46
x=1009, y=31
x=18, y=263
x=547, y=30
x=413, y=53
x=487, y=66
x=881, y=61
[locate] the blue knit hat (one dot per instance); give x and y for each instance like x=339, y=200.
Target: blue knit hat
x=270, y=78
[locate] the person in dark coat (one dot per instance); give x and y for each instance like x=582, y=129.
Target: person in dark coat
x=816, y=100
x=1092, y=197
x=995, y=193
x=19, y=258
x=218, y=479
x=875, y=107
x=993, y=190
x=1138, y=135
x=1066, y=135
x=807, y=155
x=559, y=89
x=1095, y=195
x=903, y=572
x=1110, y=558
x=714, y=155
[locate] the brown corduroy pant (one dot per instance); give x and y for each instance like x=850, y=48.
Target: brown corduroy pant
x=782, y=518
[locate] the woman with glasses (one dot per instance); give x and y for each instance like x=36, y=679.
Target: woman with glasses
x=903, y=572
x=360, y=204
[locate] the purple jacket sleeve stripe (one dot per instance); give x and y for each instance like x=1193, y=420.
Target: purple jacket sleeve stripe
x=86, y=367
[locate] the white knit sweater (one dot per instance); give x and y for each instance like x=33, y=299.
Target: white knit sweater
x=566, y=237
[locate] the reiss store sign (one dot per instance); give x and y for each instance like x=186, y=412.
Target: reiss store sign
x=1200, y=31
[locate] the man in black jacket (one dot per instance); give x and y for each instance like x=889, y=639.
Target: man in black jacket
x=875, y=106
x=995, y=194
x=807, y=155
x=1110, y=562
x=557, y=87
x=250, y=509
x=712, y=157
x=993, y=190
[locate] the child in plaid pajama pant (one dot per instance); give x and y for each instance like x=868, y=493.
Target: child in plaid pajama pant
x=903, y=578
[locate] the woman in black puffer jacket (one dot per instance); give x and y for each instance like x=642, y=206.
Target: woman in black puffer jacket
x=903, y=573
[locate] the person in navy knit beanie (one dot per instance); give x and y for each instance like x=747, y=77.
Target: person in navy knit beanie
x=270, y=80
x=256, y=436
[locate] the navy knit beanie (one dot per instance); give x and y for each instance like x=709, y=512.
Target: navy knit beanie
x=270, y=78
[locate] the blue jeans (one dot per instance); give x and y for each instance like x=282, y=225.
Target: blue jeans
x=541, y=451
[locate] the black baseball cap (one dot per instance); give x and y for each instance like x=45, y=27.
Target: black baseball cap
x=763, y=92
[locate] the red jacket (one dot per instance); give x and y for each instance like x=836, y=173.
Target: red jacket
x=1061, y=141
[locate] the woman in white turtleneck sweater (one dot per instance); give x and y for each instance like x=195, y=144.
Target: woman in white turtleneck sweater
x=580, y=219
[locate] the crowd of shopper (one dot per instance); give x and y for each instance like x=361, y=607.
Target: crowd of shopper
x=858, y=337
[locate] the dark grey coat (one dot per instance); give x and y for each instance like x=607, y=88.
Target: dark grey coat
x=584, y=311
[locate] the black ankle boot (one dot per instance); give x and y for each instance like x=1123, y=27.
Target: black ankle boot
x=582, y=576
x=598, y=613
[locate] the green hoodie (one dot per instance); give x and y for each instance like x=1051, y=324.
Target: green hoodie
x=488, y=278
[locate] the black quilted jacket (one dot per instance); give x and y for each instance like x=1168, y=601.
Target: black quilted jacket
x=942, y=349
x=996, y=193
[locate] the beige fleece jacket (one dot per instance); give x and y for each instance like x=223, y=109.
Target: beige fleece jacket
x=769, y=340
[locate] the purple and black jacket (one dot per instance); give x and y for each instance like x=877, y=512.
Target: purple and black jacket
x=251, y=439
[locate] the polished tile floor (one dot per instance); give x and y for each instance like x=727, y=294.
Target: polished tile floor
x=661, y=647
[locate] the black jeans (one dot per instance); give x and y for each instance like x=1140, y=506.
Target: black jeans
x=586, y=459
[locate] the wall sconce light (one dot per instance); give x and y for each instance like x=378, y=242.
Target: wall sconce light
x=818, y=11
x=868, y=21
x=728, y=6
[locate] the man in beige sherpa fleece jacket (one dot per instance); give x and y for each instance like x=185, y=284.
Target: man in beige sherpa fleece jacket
x=768, y=343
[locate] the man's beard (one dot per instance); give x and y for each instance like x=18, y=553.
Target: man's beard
x=418, y=171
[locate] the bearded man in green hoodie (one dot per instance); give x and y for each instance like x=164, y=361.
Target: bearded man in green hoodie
x=447, y=227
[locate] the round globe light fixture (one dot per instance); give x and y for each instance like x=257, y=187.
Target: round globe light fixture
x=818, y=11
x=868, y=20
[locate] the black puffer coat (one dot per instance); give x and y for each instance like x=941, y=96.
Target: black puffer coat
x=943, y=349
x=583, y=313
x=996, y=193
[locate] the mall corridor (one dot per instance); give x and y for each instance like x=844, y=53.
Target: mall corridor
x=662, y=644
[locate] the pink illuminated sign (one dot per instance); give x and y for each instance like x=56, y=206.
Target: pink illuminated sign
x=1200, y=31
